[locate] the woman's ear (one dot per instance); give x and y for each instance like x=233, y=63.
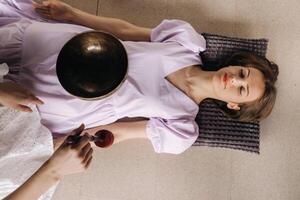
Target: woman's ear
x=233, y=106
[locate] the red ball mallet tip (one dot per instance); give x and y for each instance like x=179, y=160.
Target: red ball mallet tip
x=104, y=138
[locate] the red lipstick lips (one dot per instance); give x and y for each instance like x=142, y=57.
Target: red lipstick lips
x=225, y=79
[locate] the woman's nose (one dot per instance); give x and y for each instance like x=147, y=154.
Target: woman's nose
x=236, y=81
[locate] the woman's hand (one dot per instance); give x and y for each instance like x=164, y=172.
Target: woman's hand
x=55, y=10
x=71, y=158
x=14, y=96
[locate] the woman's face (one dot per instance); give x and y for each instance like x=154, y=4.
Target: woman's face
x=238, y=84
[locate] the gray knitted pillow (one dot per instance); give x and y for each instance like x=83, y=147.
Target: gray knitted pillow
x=216, y=129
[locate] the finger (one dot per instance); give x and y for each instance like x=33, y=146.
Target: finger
x=32, y=99
x=82, y=142
x=78, y=130
x=36, y=100
x=39, y=6
x=27, y=100
x=42, y=8
x=48, y=16
x=41, y=3
x=35, y=4
x=88, y=156
x=74, y=135
x=44, y=14
x=46, y=3
x=89, y=162
x=23, y=108
x=85, y=150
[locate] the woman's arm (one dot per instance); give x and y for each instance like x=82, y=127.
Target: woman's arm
x=121, y=29
x=123, y=130
x=36, y=185
x=67, y=159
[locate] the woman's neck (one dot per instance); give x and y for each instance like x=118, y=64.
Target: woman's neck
x=199, y=84
x=194, y=82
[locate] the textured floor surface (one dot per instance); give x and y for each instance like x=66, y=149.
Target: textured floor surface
x=132, y=171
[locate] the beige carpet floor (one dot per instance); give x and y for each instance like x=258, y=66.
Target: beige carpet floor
x=132, y=171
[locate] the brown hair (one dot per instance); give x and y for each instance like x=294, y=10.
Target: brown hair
x=261, y=108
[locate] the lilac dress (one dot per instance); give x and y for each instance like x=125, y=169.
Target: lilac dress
x=30, y=45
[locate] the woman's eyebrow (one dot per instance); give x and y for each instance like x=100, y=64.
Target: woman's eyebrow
x=248, y=88
x=248, y=84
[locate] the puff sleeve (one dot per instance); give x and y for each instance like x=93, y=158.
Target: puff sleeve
x=181, y=32
x=182, y=45
x=171, y=135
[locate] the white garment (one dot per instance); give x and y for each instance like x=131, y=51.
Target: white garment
x=3, y=70
x=25, y=145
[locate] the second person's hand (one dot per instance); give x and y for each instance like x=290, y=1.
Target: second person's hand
x=71, y=158
x=14, y=96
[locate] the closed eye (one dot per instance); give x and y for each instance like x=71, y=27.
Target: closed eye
x=242, y=75
x=242, y=89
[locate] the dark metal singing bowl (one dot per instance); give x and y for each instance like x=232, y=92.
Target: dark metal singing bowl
x=92, y=65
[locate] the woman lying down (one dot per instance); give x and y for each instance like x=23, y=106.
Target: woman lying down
x=163, y=87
